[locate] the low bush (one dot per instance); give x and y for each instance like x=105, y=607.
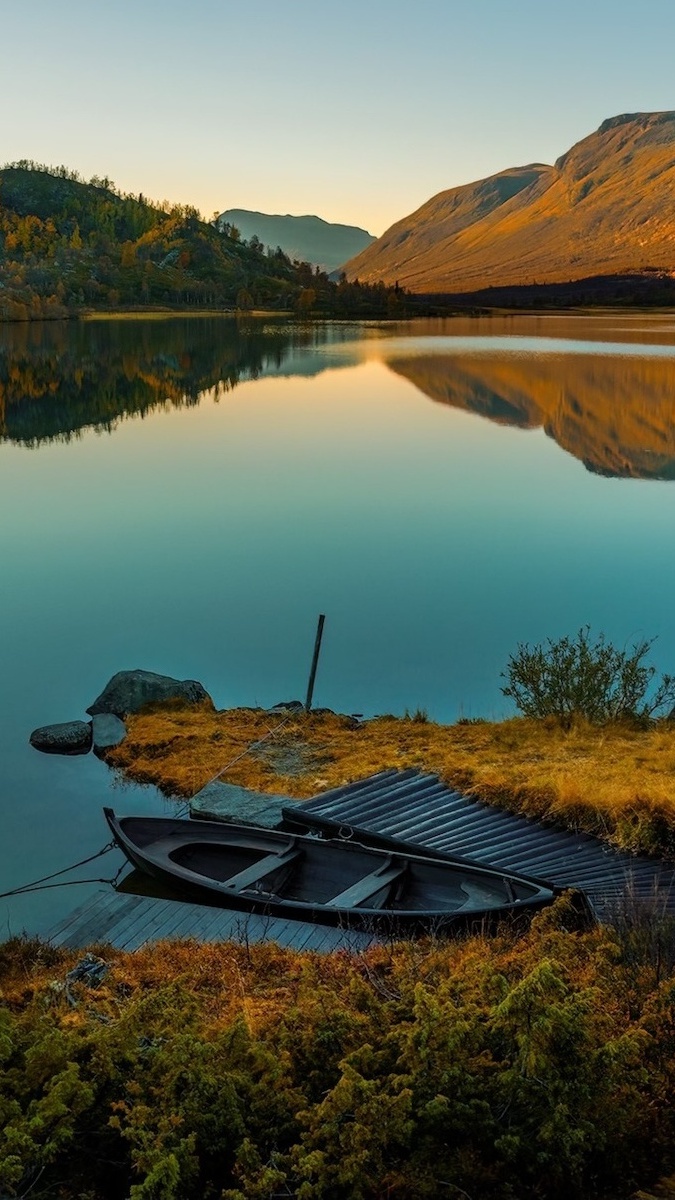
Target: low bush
x=537, y=1068
x=587, y=677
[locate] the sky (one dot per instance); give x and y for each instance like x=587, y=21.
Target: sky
x=357, y=112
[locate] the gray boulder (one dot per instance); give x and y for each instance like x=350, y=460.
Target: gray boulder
x=70, y=737
x=128, y=691
x=107, y=730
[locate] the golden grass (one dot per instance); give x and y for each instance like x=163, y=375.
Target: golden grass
x=263, y=980
x=618, y=781
x=150, y=313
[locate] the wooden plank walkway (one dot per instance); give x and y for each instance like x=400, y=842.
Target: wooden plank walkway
x=128, y=922
x=404, y=806
x=418, y=808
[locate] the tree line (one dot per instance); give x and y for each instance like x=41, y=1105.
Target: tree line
x=67, y=245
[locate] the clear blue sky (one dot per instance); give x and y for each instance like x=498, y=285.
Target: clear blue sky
x=358, y=112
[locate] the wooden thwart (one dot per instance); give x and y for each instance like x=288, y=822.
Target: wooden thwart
x=365, y=891
x=259, y=870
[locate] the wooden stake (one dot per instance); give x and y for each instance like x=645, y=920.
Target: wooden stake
x=315, y=660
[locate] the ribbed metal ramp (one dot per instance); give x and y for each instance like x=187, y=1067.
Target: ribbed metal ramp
x=420, y=809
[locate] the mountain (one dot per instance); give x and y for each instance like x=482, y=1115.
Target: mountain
x=67, y=245
x=606, y=207
x=307, y=239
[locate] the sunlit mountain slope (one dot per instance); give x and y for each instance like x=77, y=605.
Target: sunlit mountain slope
x=605, y=207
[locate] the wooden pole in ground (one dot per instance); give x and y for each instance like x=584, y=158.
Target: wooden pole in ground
x=315, y=660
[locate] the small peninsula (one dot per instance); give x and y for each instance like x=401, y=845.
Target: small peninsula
x=585, y=778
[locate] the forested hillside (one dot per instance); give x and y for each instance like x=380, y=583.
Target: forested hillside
x=67, y=245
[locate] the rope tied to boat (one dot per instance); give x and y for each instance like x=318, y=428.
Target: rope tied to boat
x=38, y=885
x=257, y=742
x=185, y=806
x=44, y=883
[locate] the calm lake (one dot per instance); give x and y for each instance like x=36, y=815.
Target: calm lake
x=187, y=495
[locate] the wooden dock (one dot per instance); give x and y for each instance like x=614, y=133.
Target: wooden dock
x=128, y=922
x=402, y=805
x=420, y=809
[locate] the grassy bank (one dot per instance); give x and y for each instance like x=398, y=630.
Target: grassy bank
x=541, y=1068
x=617, y=781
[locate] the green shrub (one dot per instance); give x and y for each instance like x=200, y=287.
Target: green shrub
x=538, y=1066
x=588, y=677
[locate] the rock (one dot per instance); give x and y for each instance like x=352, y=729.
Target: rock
x=128, y=691
x=107, y=730
x=287, y=706
x=70, y=737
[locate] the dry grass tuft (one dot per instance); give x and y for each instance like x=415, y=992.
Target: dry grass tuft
x=617, y=781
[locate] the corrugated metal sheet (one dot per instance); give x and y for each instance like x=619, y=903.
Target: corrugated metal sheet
x=421, y=810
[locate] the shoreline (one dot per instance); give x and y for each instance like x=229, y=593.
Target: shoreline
x=614, y=782
x=471, y=312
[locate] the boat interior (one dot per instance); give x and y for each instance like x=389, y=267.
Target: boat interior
x=314, y=872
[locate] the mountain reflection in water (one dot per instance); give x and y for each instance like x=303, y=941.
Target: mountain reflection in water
x=615, y=414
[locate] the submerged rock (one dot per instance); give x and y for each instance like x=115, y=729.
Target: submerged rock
x=70, y=737
x=128, y=691
x=107, y=731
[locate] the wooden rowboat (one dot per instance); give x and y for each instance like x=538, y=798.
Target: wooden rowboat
x=314, y=879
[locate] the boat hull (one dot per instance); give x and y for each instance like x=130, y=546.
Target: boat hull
x=330, y=882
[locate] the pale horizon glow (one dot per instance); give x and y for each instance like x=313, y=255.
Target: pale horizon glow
x=357, y=115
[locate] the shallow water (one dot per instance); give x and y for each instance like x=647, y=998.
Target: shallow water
x=188, y=495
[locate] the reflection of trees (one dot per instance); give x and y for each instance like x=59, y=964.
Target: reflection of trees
x=615, y=413
x=59, y=378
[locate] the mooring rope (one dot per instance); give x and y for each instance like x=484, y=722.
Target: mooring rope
x=184, y=807
x=38, y=885
x=256, y=742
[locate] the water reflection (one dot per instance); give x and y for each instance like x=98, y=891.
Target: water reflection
x=202, y=543
x=615, y=414
x=57, y=379
x=612, y=408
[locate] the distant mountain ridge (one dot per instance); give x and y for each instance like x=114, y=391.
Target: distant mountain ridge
x=307, y=239
x=605, y=207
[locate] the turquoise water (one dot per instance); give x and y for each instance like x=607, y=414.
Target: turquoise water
x=187, y=496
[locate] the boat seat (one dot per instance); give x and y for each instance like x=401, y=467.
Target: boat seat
x=258, y=870
x=361, y=891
